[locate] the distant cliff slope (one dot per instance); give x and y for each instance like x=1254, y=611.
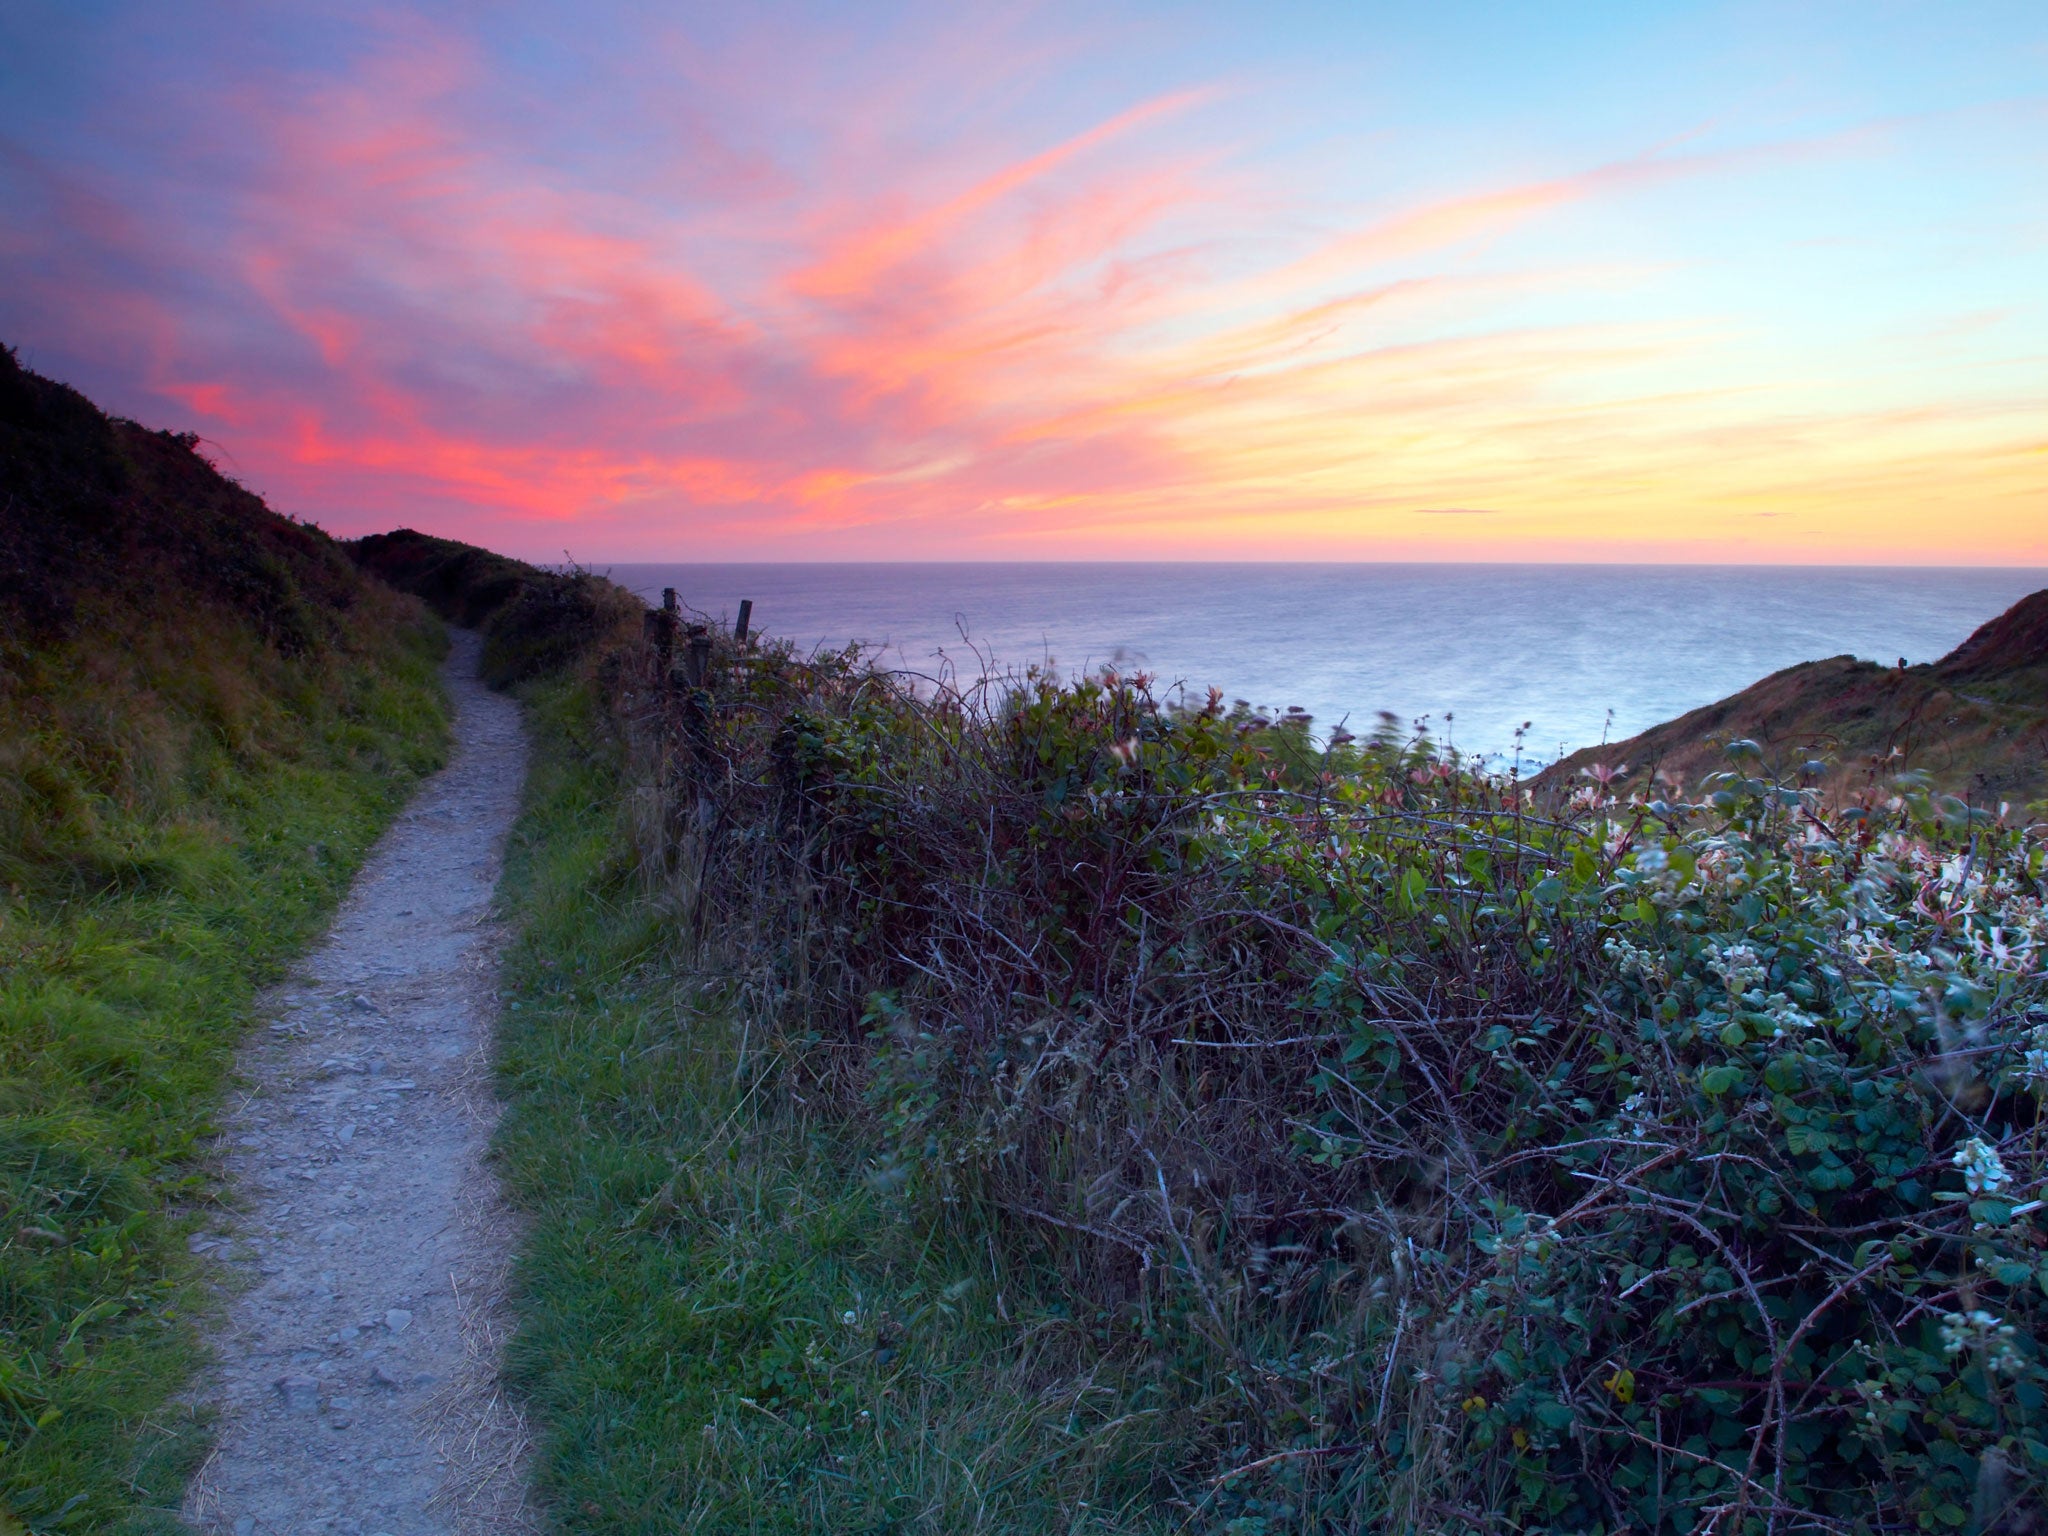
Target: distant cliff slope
x=1976, y=721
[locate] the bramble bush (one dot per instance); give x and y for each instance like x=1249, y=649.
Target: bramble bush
x=1432, y=1150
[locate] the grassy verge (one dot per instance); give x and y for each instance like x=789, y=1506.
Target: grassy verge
x=729, y=1323
x=206, y=718
x=124, y=989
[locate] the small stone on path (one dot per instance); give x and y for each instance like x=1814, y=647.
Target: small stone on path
x=301, y=1394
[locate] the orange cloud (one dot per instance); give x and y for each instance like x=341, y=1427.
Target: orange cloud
x=1105, y=345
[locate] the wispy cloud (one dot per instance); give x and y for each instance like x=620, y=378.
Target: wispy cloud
x=396, y=305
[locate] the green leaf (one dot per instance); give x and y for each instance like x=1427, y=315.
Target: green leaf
x=1783, y=1074
x=1554, y=1415
x=1719, y=1080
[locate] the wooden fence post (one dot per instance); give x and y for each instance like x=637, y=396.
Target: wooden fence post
x=739, y=630
x=662, y=626
x=697, y=663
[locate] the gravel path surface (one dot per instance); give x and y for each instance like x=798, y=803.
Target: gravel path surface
x=358, y=1367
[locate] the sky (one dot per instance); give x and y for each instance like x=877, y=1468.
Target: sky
x=1720, y=282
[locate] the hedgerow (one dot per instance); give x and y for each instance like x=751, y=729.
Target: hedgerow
x=1445, y=1155
x=1641, y=1160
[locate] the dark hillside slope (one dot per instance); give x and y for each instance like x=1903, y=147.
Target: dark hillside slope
x=158, y=623
x=207, y=714
x=96, y=511
x=1976, y=722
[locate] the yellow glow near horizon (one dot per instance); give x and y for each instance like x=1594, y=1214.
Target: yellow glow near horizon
x=950, y=309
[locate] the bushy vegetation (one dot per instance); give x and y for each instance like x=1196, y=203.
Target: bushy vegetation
x=536, y=624
x=726, y=1324
x=1035, y=1108
x=1412, y=1155
x=206, y=716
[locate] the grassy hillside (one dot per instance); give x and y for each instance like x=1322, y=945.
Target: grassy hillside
x=207, y=714
x=1044, y=1110
x=1975, y=722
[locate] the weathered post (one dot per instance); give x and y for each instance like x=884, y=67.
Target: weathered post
x=739, y=630
x=662, y=626
x=697, y=662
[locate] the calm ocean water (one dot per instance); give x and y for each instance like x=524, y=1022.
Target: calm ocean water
x=1477, y=649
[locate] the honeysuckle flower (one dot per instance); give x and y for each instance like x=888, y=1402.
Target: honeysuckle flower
x=1995, y=950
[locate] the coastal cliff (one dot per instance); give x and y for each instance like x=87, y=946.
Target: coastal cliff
x=1975, y=722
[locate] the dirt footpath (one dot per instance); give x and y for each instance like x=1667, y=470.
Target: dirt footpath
x=358, y=1376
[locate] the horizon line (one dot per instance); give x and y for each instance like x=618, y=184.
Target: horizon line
x=1755, y=565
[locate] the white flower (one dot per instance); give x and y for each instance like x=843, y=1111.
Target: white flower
x=1738, y=966
x=1787, y=1016
x=1637, y=1114
x=2006, y=1360
x=1634, y=962
x=1960, y=874
x=1960, y=1330
x=2035, y=1068
x=1982, y=1330
x=849, y=1318
x=1983, y=1173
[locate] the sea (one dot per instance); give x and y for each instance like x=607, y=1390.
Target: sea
x=1566, y=655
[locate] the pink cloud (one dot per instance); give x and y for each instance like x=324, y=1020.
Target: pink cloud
x=750, y=338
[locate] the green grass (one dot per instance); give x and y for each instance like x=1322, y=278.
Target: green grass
x=728, y=1322
x=188, y=806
